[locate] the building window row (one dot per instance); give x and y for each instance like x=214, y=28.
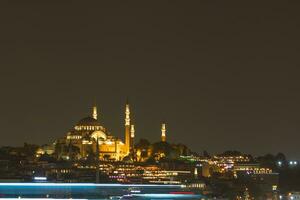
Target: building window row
x=88, y=128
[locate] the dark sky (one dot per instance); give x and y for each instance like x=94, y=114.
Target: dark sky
x=222, y=74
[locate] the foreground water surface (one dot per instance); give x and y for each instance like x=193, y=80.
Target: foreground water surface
x=93, y=191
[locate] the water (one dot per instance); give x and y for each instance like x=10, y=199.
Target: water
x=92, y=191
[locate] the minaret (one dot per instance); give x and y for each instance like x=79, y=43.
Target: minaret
x=163, y=132
x=94, y=114
x=127, y=128
x=132, y=131
x=196, y=172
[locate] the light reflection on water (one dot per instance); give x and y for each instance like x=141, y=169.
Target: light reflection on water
x=47, y=199
x=33, y=191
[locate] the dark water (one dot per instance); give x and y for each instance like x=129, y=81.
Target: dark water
x=92, y=191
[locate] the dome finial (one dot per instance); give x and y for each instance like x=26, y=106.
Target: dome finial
x=94, y=113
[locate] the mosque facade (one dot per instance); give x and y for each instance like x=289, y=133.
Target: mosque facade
x=90, y=137
x=89, y=131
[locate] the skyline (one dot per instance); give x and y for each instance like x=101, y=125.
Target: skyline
x=222, y=76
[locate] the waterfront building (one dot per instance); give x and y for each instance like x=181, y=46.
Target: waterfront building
x=250, y=168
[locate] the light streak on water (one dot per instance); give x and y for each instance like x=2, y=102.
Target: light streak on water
x=88, y=185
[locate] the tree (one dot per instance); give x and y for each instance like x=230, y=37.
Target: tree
x=231, y=153
x=91, y=156
x=106, y=157
x=29, y=149
x=143, y=147
x=206, y=154
x=47, y=158
x=280, y=157
x=142, y=144
x=164, y=149
x=182, y=149
x=267, y=160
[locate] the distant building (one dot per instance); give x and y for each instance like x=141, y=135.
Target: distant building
x=265, y=178
x=45, y=149
x=293, y=195
x=250, y=168
x=85, y=134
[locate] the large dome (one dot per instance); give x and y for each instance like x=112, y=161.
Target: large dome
x=88, y=124
x=88, y=121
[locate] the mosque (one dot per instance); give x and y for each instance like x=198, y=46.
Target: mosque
x=90, y=137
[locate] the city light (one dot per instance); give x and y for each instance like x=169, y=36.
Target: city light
x=279, y=163
x=39, y=178
x=293, y=163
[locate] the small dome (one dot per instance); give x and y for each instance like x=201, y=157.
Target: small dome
x=98, y=134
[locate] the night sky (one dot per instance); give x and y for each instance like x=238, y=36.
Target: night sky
x=224, y=75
